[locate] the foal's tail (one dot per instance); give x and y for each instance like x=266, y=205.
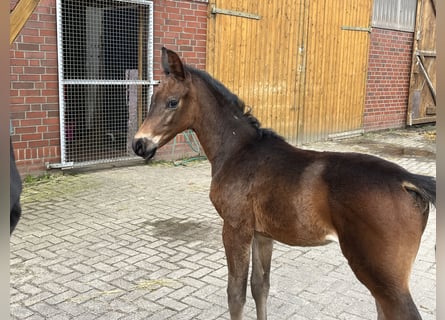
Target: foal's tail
x=424, y=186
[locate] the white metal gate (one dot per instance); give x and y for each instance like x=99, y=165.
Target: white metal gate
x=105, y=50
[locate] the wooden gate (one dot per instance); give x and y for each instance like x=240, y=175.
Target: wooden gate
x=422, y=97
x=254, y=49
x=301, y=65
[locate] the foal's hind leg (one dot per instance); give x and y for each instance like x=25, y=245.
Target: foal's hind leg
x=385, y=270
x=390, y=290
x=237, y=242
x=385, y=273
x=261, y=257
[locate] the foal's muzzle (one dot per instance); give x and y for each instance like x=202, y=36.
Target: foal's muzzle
x=144, y=148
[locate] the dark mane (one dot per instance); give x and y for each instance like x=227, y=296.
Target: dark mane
x=218, y=89
x=232, y=100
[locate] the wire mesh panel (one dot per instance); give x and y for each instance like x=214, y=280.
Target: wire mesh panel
x=105, y=77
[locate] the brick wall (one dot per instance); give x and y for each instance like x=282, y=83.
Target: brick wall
x=34, y=107
x=388, y=80
x=34, y=110
x=183, y=29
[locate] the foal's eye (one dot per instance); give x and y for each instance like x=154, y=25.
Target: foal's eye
x=172, y=104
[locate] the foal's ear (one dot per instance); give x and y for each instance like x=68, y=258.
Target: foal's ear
x=172, y=64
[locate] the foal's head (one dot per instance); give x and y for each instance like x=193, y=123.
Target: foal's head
x=171, y=108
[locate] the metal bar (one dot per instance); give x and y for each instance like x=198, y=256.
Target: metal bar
x=346, y=134
x=141, y=21
x=60, y=82
x=351, y=28
x=73, y=165
x=247, y=15
x=150, y=55
x=63, y=165
x=110, y=82
x=143, y=2
x=426, y=53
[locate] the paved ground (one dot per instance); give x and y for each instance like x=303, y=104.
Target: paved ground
x=143, y=242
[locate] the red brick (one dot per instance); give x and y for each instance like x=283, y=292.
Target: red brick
x=35, y=107
x=48, y=33
x=20, y=130
x=18, y=62
x=53, y=99
x=23, y=85
x=39, y=143
x=29, y=77
x=51, y=135
x=34, y=70
x=48, y=47
x=183, y=4
x=38, y=115
x=28, y=47
x=55, y=143
x=31, y=136
x=50, y=121
x=32, y=100
x=52, y=128
x=33, y=122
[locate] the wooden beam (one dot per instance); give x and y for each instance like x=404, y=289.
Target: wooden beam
x=423, y=120
x=19, y=16
x=433, y=2
x=427, y=78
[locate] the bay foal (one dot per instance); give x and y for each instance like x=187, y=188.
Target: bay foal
x=265, y=189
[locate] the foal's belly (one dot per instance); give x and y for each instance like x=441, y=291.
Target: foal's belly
x=303, y=242
x=299, y=233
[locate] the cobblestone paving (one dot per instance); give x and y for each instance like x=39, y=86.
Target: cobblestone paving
x=144, y=242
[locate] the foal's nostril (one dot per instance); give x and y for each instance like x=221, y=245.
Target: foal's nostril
x=144, y=148
x=139, y=147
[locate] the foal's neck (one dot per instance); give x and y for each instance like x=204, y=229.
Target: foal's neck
x=222, y=130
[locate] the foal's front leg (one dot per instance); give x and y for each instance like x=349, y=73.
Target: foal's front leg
x=237, y=242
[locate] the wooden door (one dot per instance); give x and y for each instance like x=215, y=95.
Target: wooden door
x=301, y=65
x=336, y=69
x=422, y=96
x=254, y=49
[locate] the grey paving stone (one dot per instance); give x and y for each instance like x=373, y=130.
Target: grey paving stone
x=144, y=242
